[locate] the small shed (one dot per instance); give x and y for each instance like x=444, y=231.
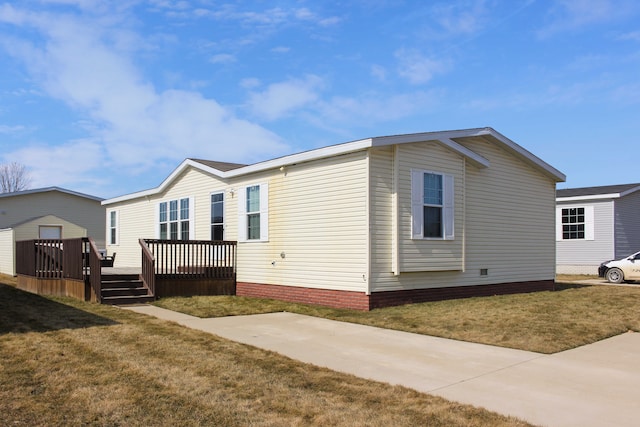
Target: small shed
x=43, y=227
x=46, y=213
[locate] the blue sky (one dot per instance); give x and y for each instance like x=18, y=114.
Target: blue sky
x=108, y=97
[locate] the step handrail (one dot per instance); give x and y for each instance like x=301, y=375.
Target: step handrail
x=95, y=269
x=148, y=275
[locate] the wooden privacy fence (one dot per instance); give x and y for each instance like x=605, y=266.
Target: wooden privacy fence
x=196, y=259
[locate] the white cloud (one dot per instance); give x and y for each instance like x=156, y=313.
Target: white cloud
x=633, y=36
x=250, y=83
x=280, y=49
x=379, y=72
x=130, y=122
x=417, y=68
x=71, y=163
x=376, y=107
x=466, y=17
x=222, y=58
x=570, y=15
x=5, y=129
x=280, y=99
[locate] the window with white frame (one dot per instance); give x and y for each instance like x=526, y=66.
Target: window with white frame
x=174, y=219
x=575, y=223
x=217, y=216
x=432, y=202
x=112, y=232
x=253, y=207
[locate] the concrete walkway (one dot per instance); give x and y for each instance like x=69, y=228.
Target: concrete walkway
x=595, y=385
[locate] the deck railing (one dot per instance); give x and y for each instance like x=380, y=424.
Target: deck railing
x=53, y=258
x=194, y=258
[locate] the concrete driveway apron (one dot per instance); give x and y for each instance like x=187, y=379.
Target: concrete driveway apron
x=594, y=385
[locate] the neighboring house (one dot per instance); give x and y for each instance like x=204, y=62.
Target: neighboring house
x=596, y=224
x=47, y=213
x=375, y=222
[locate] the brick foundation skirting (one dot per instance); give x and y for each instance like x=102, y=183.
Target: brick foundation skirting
x=360, y=301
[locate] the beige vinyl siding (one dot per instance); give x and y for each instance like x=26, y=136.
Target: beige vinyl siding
x=85, y=212
x=510, y=219
x=7, y=252
x=317, y=220
x=504, y=220
x=317, y=226
x=383, y=212
x=31, y=229
x=429, y=254
x=138, y=218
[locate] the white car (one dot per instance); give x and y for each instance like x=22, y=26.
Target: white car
x=626, y=269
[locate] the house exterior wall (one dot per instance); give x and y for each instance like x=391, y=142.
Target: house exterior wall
x=7, y=252
x=504, y=217
x=627, y=225
x=31, y=229
x=77, y=210
x=138, y=218
x=318, y=231
x=581, y=256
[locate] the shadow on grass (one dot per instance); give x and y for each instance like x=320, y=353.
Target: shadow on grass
x=22, y=312
x=560, y=286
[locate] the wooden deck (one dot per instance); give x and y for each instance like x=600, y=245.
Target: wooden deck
x=73, y=267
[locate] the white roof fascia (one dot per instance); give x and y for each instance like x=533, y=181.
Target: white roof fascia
x=444, y=137
x=319, y=153
x=177, y=171
x=629, y=191
x=527, y=155
x=588, y=197
x=476, y=159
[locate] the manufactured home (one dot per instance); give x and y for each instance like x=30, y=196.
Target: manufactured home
x=596, y=224
x=375, y=222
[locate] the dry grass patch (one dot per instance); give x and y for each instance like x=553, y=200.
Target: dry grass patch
x=545, y=322
x=66, y=362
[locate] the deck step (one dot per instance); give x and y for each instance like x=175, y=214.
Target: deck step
x=123, y=289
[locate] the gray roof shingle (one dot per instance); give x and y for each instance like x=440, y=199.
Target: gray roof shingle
x=594, y=191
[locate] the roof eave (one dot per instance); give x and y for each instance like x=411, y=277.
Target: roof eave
x=546, y=168
x=48, y=189
x=588, y=197
x=444, y=137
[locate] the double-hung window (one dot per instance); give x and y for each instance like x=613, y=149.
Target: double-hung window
x=112, y=231
x=575, y=223
x=217, y=216
x=253, y=221
x=432, y=196
x=175, y=219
